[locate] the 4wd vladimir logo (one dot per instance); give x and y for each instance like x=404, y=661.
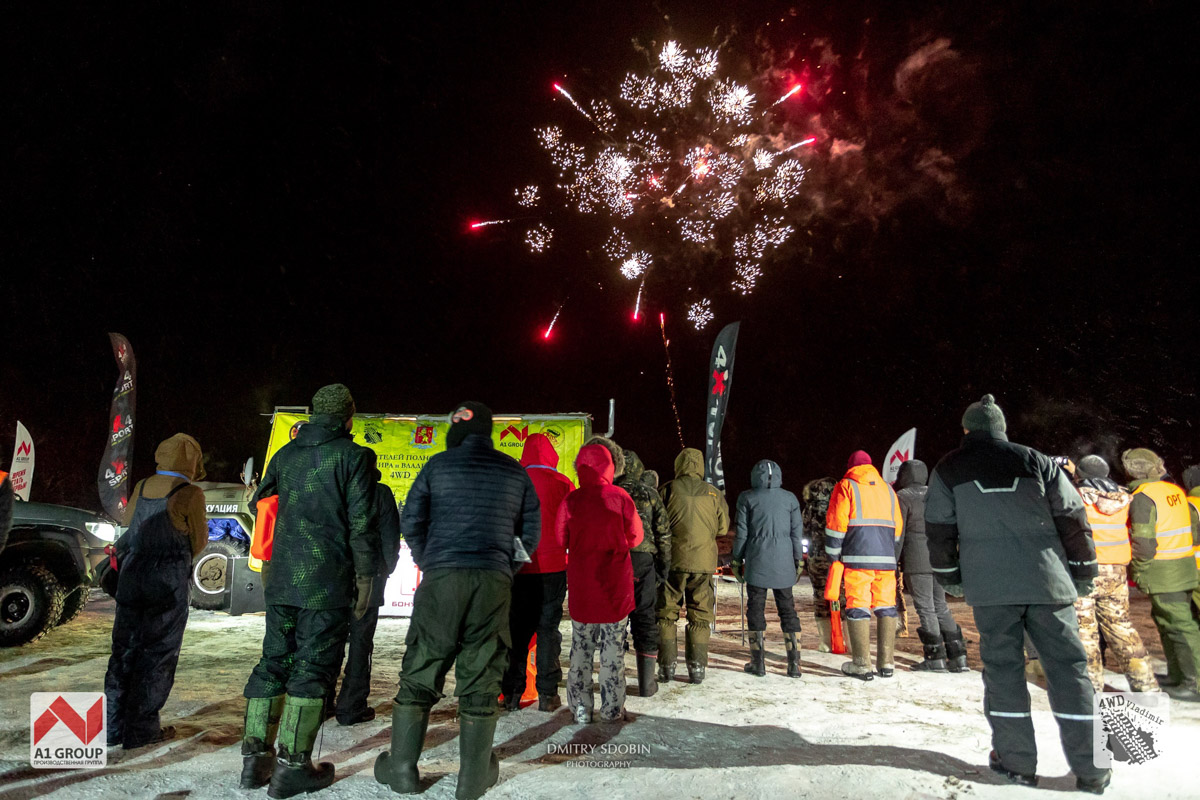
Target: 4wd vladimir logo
x=122, y=427
x=424, y=436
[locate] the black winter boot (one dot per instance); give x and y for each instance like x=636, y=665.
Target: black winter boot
x=697, y=659
x=956, y=651
x=294, y=771
x=478, y=767
x=1016, y=777
x=397, y=768
x=258, y=741
x=647, y=683
x=792, y=642
x=935, y=652
x=757, y=665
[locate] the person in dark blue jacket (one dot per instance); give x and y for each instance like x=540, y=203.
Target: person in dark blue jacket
x=767, y=552
x=471, y=515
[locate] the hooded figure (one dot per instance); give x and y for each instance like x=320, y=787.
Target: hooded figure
x=767, y=551
x=167, y=527
x=540, y=587
x=698, y=515
x=598, y=525
x=651, y=563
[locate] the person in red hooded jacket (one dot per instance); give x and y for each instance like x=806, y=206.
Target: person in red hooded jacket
x=540, y=587
x=598, y=524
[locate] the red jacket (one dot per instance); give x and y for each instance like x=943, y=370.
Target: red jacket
x=541, y=461
x=598, y=523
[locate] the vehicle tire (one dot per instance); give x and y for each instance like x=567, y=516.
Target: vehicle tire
x=209, y=573
x=31, y=603
x=73, y=603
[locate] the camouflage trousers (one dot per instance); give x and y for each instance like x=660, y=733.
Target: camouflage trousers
x=1106, y=612
x=609, y=640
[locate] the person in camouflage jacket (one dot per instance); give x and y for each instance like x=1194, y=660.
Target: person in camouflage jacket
x=651, y=563
x=816, y=504
x=325, y=559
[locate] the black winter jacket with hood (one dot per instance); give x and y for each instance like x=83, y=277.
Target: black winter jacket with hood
x=911, y=491
x=770, y=530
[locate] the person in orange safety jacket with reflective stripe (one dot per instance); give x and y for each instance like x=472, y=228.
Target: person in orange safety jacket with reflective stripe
x=863, y=530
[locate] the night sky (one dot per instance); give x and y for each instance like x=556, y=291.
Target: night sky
x=267, y=200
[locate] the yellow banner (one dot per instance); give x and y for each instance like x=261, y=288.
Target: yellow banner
x=402, y=445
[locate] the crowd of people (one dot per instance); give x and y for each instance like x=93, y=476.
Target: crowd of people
x=1039, y=548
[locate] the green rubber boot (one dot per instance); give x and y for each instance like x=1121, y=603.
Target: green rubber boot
x=885, y=646
x=478, y=767
x=860, y=650
x=398, y=768
x=668, y=652
x=294, y=771
x=258, y=741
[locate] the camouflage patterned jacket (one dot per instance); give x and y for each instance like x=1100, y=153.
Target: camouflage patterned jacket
x=816, y=504
x=655, y=523
x=325, y=533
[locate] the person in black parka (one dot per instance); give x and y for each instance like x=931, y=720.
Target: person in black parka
x=351, y=707
x=767, y=551
x=941, y=638
x=168, y=527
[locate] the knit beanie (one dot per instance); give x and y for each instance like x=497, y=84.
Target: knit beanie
x=1191, y=477
x=1091, y=467
x=1142, y=463
x=335, y=401
x=468, y=419
x=858, y=458
x=984, y=416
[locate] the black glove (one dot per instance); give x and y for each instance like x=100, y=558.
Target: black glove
x=362, y=598
x=661, y=569
x=1084, y=586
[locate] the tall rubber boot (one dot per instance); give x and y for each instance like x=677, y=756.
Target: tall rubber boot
x=956, y=651
x=825, y=631
x=294, y=771
x=478, y=767
x=397, y=768
x=258, y=741
x=668, y=651
x=758, y=664
x=860, y=650
x=697, y=661
x=647, y=683
x=792, y=642
x=934, y=652
x=885, y=646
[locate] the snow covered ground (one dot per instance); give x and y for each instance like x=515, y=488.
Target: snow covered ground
x=735, y=736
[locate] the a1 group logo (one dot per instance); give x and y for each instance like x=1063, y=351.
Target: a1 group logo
x=67, y=730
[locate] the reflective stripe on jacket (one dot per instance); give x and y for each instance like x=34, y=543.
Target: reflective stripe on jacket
x=863, y=523
x=1173, y=529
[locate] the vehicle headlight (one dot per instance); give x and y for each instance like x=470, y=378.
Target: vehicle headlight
x=102, y=530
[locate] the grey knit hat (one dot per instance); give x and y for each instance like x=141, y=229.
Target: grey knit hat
x=1092, y=467
x=1191, y=477
x=334, y=400
x=1142, y=463
x=984, y=416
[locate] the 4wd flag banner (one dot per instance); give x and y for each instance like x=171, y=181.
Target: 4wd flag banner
x=21, y=471
x=113, y=477
x=902, y=450
x=402, y=445
x=720, y=379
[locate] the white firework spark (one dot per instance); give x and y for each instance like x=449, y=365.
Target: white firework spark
x=528, y=196
x=700, y=313
x=673, y=57
x=732, y=103
x=539, y=237
x=635, y=265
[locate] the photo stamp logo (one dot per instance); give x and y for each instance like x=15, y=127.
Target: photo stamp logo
x=67, y=730
x=1129, y=727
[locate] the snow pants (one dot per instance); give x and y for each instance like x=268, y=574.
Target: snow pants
x=868, y=589
x=1106, y=611
x=460, y=619
x=1054, y=630
x=302, y=652
x=356, y=681
x=929, y=598
x=141, y=671
x=609, y=640
x=537, y=607
x=643, y=620
x=1177, y=628
x=756, y=609
x=695, y=589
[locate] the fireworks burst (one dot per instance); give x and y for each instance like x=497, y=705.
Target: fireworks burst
x=687, y=144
